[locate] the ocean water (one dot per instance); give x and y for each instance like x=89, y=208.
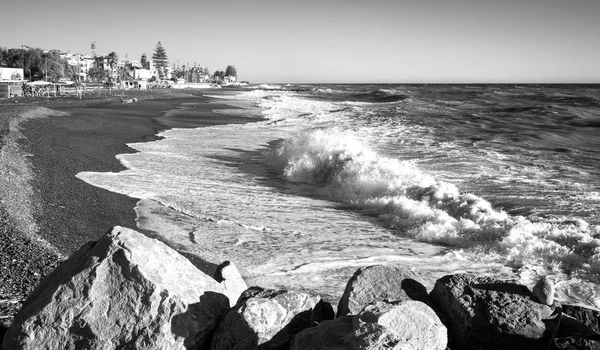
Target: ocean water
x=496, y=180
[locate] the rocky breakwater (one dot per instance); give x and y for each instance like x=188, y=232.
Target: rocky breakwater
x=131, y=291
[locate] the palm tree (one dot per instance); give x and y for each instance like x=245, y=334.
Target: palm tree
x=113, y=59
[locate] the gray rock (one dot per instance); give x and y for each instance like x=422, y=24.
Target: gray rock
x=264, y=319
x=492, y=314
x=380, y=282
x=544, y=291
x=406, y=325
x=231, y=280
x=579, y=329
x=413, y=324
x=327, y=335
x=124, y=291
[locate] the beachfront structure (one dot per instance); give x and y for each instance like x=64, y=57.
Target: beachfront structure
x=229, y=80
x=11, y=73
x=11, y=80
x=134, y=84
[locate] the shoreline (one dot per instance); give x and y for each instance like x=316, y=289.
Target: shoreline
x=89, y=139
x=68, y=211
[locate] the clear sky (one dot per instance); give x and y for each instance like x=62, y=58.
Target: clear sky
x=394, y=41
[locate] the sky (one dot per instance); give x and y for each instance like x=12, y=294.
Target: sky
x=330, y=41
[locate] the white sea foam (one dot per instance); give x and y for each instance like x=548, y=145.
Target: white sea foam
x=432, y=211
x=318, y=189
x=269, y=87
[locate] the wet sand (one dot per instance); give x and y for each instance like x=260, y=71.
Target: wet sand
x=74, y=212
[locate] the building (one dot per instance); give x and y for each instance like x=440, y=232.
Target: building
x=134, y=84
x=141, y=74
x=229, y=79
x=11, y=80
x=81, y=63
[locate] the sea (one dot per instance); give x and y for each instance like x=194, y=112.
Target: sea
x=494, y=180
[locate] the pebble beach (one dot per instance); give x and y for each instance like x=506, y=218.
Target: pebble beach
x=46, y=213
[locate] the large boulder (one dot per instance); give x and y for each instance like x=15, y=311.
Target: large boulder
x=486, y=313
x=124, y=291
x=267, y=319
x=398, y=325
x=330, y=334
x=380, y=282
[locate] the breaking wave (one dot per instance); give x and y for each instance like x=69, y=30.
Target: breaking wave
x=380, y=96
x=416, y=204
x=269, y=87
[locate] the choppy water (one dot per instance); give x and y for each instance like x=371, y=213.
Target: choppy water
x=491, y=179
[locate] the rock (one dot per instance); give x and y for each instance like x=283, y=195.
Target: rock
x=382, y=325
x=590, y=318
x=323, y=311
x=265, y=319
x=544, y=291
x=412, y=323
x=124, y=291
x=380, y=282
x=492, y=314
x=327, y=335
x=579, y=329
x=231, y=280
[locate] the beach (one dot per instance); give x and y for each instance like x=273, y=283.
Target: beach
x=496, y=181
x=66, y=212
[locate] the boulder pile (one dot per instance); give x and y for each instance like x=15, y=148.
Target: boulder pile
x=130, y=291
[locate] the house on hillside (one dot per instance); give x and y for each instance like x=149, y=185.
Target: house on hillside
x=80, y=63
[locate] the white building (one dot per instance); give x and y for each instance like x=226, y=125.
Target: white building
x=141, y=74
x=81, y=63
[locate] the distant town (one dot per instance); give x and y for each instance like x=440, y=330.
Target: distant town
x=38, y=67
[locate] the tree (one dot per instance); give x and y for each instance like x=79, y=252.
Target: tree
x=160, y=60
x=144, y=61
x=97, y=74
x=113, y=60
x=37, y=64
x=54, y=67
x=125, y=72
x=230, y=71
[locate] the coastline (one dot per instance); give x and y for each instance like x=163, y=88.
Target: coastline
x=89, y=139
x=67, y=211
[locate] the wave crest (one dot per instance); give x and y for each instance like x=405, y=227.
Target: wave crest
x=416, y=204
